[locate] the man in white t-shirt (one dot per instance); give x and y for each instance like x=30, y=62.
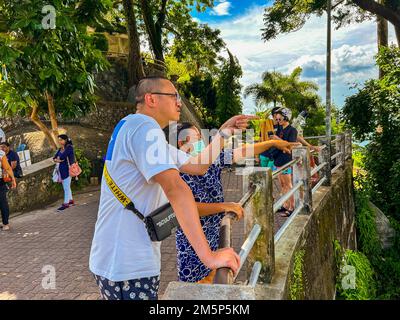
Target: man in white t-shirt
x=125, y=262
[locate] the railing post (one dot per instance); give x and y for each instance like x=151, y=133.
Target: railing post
x=337, y=148
x=340, y=148
x=325, y=156
x=302, y=172
x=348, y=142
x=224, y=275
x=262, y=214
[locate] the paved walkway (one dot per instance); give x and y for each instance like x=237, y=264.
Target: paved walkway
x=44, y=242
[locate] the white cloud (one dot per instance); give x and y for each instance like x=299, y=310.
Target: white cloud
x=353, y=52
x=221, y=9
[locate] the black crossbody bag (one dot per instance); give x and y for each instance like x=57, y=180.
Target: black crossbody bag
x=159, y=223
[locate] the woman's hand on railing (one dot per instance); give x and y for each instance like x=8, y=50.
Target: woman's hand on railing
x=315, y=148
x=224, y=258
x=234, y=208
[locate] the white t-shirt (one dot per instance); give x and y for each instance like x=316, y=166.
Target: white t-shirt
x=121, y=248
x=2, y=136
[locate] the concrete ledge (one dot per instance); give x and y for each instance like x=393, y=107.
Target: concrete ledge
x=38, y=166
x=194, y=291
x=35, y=189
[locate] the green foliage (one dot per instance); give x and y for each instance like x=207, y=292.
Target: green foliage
x=86, y=167
x=374, y=113
x=387, y=267
x=286, y=16
x=202, y=92
x=365, y=286
x=296, y=286
x=385, y=262
x=58, y=61
x=229, y=89
x=100, y=42
x=367, y=235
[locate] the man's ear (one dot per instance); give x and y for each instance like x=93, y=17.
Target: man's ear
x=149, y=100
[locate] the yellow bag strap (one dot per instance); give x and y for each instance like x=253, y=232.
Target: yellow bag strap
x=120, y=195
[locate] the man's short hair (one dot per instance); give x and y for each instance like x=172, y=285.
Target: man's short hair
x=147, y=85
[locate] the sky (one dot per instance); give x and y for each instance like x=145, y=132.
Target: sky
x=353, y=48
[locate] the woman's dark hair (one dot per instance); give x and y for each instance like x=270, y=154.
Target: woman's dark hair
x=179, y=128
x=65, y=138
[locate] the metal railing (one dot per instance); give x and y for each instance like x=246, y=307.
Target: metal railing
x=332, y=155
x=225, y=275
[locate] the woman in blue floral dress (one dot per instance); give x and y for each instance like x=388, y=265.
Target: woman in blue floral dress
x=208, y=193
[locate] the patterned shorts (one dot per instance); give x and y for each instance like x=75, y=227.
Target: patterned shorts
x=136, y=289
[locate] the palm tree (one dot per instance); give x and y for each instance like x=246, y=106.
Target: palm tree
x=269, y=91
x=285, y=90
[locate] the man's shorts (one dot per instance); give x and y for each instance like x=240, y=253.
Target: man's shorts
x=286, y=171
x=266, y=162
x=136, y=289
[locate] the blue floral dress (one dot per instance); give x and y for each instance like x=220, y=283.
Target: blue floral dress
x=206, y=189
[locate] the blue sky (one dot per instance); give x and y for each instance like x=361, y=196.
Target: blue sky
x=353, y=52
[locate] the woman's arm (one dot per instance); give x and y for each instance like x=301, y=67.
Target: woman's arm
x=207, y=209
x=199, y=164
x=251, y=150
x=6, y=166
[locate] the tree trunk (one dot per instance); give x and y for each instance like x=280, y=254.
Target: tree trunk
x=135, y=66
x=382, y=35
x=35, y=119
x=380, y=10
x=154, y=31
x=52, y=114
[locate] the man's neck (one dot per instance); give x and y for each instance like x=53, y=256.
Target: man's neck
x=149, y=114
x=285, y=125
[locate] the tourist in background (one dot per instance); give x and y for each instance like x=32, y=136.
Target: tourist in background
x=13, y=159
x=65, y=157
x=6, y=175
x=288, y=133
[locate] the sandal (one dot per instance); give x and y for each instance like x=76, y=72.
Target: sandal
x=287, y=213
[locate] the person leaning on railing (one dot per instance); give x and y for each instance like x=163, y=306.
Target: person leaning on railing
x=288, y=133
x=6, y=175
x=208, y=194
x=124, y=260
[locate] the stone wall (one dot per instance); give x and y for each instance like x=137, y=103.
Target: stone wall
x=305, y=258
x=36, y=189
x=112, y=84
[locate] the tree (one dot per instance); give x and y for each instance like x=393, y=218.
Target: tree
x=228, y=89
x=290, y=15
x=135, y=67
x=373, y=113
x=285, y=90
x=49, y=71
x=156, y=15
